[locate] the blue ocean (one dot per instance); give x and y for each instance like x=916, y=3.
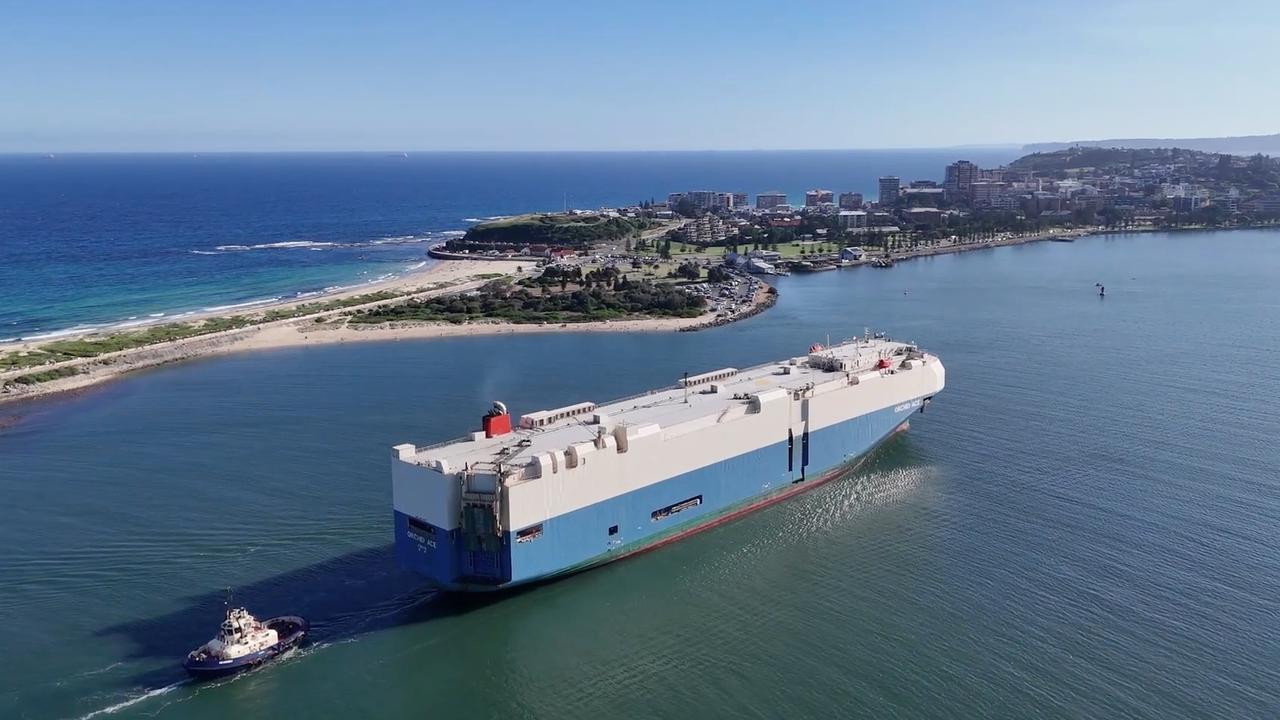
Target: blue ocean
x=102, y=240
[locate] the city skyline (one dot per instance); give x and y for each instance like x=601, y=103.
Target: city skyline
x=211, y=77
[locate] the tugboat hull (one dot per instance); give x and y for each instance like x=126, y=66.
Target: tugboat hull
x=291, y=631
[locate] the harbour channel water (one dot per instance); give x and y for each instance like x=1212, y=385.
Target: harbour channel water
x=1082, y=525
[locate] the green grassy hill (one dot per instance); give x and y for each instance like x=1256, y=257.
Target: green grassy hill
x=550, y=229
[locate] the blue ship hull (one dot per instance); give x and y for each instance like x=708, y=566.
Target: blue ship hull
x=214, y=668
x=646, y=518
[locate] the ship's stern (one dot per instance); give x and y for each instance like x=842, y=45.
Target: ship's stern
x=444, y=531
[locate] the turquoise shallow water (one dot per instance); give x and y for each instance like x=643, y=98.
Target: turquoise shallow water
x=1082, y=525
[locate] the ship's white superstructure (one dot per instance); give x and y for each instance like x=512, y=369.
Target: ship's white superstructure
x=240, y=634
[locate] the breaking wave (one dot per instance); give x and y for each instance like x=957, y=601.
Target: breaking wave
x=318, y=245
x=289, y=245
x=76, y=330
x=238, y=306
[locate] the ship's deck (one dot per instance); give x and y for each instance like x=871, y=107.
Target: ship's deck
x=666, y=407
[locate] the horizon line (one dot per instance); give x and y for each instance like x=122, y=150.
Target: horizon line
x=1025, y=145
x=402, y=151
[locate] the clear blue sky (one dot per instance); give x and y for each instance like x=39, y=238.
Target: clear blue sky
x=552, y=74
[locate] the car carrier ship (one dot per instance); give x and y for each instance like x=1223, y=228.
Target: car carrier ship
x=566, y=489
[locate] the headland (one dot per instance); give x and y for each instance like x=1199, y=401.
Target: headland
x=691, y=262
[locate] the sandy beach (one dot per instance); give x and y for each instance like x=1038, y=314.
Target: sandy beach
x=434, y=279
x=437, y=279
x=433, y=275
x=304, y=332
x=296, y=334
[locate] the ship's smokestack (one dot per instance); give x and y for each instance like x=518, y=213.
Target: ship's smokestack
x=497, y=421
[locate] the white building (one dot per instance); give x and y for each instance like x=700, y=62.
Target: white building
x=852, y=219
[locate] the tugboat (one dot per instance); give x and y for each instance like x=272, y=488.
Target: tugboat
x=244, y=642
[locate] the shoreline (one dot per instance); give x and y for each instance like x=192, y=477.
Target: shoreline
x=305, y=333
x=1050, y=236
x=1053, y=235
x=442, y=278
x=418, y=275
x=430, y=280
